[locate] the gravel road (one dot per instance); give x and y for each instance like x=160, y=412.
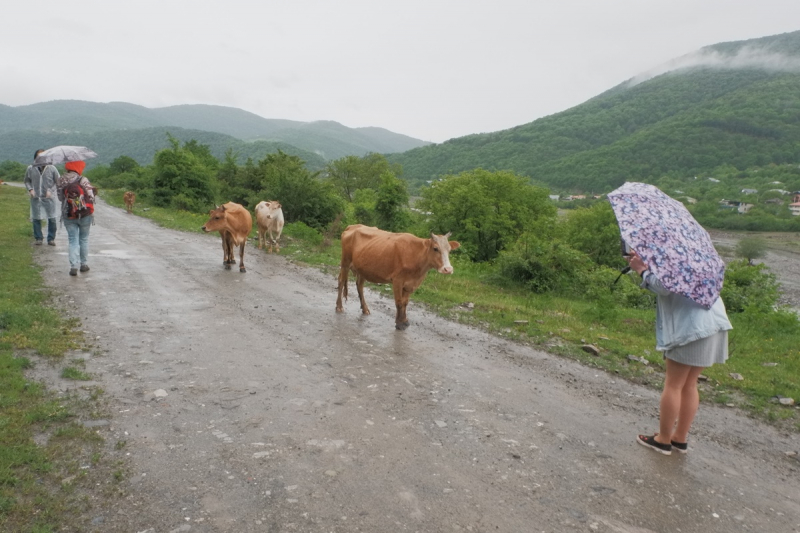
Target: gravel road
x=246, y=404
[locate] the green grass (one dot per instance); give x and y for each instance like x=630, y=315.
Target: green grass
x=32, y=495
x=561, y=325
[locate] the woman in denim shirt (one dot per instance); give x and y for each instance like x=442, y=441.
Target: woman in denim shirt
x=692, y=338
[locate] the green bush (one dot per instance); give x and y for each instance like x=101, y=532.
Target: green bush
x=749, y=287
x=543, y=266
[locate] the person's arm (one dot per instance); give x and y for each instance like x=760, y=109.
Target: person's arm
x=29, y=182
x=649, y=280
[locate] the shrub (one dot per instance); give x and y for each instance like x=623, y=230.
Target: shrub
x=749, y=287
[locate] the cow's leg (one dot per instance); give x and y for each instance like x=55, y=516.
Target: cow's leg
x=270, y=240
x=260, y=238
x=360, y=288
x=401, y=302
x=344, y=273
x=227, y=248
x=277, y=241
x=241, y=256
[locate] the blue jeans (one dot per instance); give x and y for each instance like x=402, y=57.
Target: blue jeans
x=51, y=229
x=78, y=232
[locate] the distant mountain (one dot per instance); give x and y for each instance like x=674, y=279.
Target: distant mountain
x=734, y=104
x=142, y=145
x=329, y=140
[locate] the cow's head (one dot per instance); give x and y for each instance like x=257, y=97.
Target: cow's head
x=216, y=220
x=439, y=252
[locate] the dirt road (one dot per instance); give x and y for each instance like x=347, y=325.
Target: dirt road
x=247, y=404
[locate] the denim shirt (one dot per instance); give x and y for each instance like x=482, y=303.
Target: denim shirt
x=680, y=320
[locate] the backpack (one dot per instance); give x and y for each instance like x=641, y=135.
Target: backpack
x=78, y=205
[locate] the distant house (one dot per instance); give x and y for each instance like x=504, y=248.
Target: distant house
x=740, y=207
x=795, y=197
x=713, y=180
x=749, y=191
x=579, y=197
x=688, y=199
x=795, y=208
x=776, y=201
x=598, y=196
x=554, y=197
x=782, y=191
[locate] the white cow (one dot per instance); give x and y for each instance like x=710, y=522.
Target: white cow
x=269, y=217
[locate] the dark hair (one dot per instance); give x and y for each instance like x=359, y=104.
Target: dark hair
x=39, y=151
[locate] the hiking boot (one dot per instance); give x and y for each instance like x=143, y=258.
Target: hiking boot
x=38, y=242
x=51, y=243
x=73, y=271
x=84, y=268
x=651, y=442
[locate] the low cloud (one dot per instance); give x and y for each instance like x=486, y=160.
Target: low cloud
x=747, y=57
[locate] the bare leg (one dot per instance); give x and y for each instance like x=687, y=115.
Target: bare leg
x=690, y=401
x=678, y=378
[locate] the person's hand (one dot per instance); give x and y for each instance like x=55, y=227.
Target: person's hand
x=636, y=263
x=32, y=193
x=47, y=195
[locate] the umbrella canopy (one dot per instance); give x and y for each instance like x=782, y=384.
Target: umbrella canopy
x=63, y=154
x=666, y=236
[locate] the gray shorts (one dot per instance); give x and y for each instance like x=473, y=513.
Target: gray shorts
x=702, y=352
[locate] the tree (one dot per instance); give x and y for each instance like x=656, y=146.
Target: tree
x=391, y=203
x=751, y=248
x=594, y=231
x=182, y=178
x=303, y=197
x=122, y=164
x=486, y=210
x=352, y=173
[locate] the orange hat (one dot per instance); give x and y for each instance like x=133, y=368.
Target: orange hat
x=75, y=166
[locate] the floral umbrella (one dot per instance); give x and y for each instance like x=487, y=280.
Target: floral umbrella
x=666, y=236
x=63, y=154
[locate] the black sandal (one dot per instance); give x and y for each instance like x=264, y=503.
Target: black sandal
x=651, y=442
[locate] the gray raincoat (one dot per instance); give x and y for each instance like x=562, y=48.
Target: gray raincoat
x=42, y=182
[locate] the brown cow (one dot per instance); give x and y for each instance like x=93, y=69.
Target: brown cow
x=130, y=199
x=401, y=259
x=234, y=224
x=269, y=219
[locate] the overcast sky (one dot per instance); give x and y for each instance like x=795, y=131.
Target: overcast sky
x=431, y=69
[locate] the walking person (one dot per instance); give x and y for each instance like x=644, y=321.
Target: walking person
x=692, y=339
x=77, y=214
x=41, y=182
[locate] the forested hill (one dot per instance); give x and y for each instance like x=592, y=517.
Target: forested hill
x=142, y=145
x=330, y=140
x=728, y=104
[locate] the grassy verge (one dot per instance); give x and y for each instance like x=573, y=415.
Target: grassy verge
x=48, y=459
x=764, y=349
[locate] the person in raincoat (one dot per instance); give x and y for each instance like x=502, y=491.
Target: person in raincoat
x=41, y=182
x=77, y=228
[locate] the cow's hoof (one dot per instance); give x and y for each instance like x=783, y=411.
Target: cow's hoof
x=242, y=269
x=227, y=266
x=401, y=326
x=339, y=310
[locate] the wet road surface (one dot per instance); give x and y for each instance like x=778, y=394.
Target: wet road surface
x=247, y=404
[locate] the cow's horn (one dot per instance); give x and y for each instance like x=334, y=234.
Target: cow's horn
x=447, y=236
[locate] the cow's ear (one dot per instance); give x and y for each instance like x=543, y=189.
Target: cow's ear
x=454, y=245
